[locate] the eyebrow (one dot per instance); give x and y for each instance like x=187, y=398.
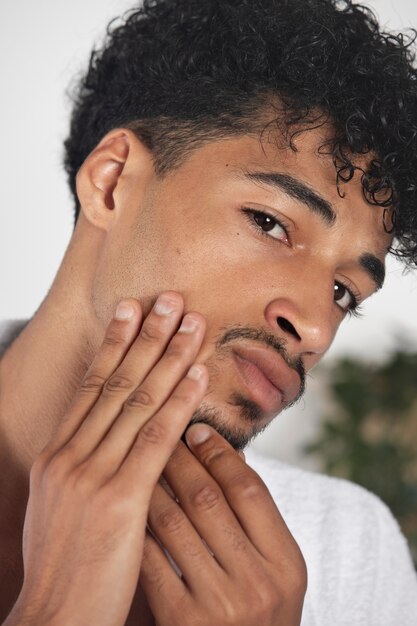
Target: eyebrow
x=299, y=190
x=373, y=267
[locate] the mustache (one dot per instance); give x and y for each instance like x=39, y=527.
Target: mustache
x=267, y=339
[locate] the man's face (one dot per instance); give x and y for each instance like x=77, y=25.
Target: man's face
x=245, y=232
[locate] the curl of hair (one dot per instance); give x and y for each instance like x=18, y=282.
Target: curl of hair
x=184, y=72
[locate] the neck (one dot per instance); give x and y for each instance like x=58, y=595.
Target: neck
x=42, y=369
x=39, y=376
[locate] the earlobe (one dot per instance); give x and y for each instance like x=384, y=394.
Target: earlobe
x=99, y=175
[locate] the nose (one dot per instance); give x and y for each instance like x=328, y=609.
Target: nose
x=307, y=330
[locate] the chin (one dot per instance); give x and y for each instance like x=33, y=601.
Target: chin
x=237, y=423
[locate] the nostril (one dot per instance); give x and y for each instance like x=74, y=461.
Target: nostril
x=287, y=327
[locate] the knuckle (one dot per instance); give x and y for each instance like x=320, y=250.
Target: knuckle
x=56, y=471
x=139, y=399
x=113, y=338
x=174, y=352
x=92, y=383
x=170, y=520
x=266, y=597
x=184, y=398
x=82, y=480
x=119, y=505
x=117, y=382
x=153, y=432
x=205, y=498
x=228, y=612
x=298, y=577
x=299, y=587
x=213, y=455
x=150, y=333
x=248, y=485
x=238, y=542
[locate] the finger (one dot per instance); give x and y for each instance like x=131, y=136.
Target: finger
x=204, y=503
x=173, y=529
x=119, y=335
x=151, y=395
x=151, y=342
x=159, y=580
x=244, y=490
x=158, y=436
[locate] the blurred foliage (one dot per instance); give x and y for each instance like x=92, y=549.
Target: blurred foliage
x=371, y=435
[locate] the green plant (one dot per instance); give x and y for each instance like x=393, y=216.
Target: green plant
x=371, y=435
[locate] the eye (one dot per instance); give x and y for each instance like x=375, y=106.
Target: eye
x=345, y=298
x=268, y=225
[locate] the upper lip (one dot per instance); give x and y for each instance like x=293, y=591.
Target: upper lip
x=273, y=366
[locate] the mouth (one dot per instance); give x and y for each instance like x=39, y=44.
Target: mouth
x=270, y=383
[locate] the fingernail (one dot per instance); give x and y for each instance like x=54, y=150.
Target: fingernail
x=197, y=433
x=164, y=306
x=124, y=311
x=189, y=325
x=195, y=372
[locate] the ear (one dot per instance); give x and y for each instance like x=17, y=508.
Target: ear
x=103, y=172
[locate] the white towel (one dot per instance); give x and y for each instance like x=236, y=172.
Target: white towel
x=360, y=571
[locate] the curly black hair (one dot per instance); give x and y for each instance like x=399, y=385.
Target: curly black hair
x=184, y=72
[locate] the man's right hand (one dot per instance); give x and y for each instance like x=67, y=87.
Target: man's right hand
x=91, y=486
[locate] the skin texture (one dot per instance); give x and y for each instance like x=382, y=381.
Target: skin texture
x=139, y=235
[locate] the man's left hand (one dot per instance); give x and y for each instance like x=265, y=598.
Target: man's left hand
x=240, y=564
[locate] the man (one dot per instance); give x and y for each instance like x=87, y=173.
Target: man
x=240, y=171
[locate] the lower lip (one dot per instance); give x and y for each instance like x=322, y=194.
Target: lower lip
x=260, y=388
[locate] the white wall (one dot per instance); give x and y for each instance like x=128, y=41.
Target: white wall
x=42, y=46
